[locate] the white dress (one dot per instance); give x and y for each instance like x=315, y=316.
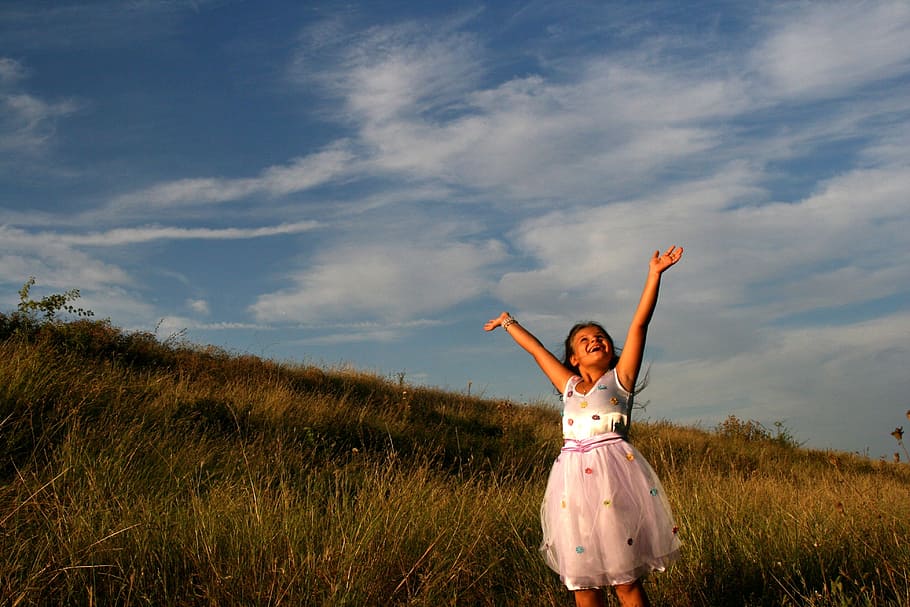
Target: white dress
x=605, y=518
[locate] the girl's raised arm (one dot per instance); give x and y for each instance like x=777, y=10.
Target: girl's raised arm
x=634, y=347
x=549, y=364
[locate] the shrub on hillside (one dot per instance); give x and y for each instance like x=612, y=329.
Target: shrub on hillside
x=754, y=431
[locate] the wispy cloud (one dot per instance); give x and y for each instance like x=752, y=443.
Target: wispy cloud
x=126, y=236
x=10, y=71
x=175, y=325
x=59, y=261
x=327, y=334
x=24, y=254
x=389, y=281
x=298, y=175
x=27, y=122
x=408, y=68
x=414, y=98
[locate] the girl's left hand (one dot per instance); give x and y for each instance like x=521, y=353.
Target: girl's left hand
x=659, y=262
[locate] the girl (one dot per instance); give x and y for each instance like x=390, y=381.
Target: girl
x=605, y=519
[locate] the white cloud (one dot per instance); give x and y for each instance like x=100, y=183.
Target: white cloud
x=828, y=48
x=414, y=98
x=200, y=306
x=298, y=175
x=172, y=325
x=394, y=281
x=891, y=147
x=745, y=267
x=832, y=385
x=531, y=138
x=611, y=243
x=617, y=120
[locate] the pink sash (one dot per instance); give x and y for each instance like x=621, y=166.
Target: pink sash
x=587, y=444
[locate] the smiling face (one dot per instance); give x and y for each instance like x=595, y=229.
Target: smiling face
x=591, y=347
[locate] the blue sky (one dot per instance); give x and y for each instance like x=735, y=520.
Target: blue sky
x=364, y=184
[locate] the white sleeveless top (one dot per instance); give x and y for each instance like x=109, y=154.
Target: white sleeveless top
x=606, y=407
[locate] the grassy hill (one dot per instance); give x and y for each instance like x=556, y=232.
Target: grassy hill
x=136, y=472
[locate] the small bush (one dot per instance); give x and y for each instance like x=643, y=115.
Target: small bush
x=753, y=431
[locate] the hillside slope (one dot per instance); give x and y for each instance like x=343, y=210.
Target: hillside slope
x=141, y=472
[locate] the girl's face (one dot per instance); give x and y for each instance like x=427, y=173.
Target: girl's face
x=591, y=348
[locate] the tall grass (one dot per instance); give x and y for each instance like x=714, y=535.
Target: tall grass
x=141, y=473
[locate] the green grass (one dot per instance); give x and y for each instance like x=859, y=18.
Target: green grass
x=140, y=473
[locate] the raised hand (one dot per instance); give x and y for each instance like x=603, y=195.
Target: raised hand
x=495, y=322
x=659, y=262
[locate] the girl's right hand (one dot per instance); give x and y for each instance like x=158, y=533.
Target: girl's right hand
x=495, y=322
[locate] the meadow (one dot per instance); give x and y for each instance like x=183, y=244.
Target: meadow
x=141, y=471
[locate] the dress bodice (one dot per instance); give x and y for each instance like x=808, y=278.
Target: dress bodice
x=606, y=407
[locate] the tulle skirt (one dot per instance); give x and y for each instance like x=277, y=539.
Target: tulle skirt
x=605, y=518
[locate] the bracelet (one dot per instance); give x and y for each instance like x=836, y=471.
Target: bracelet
x=508, y=322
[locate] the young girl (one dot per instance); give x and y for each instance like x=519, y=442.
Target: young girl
x=605, y=519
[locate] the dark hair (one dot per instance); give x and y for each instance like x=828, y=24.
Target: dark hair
x=568, y=345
